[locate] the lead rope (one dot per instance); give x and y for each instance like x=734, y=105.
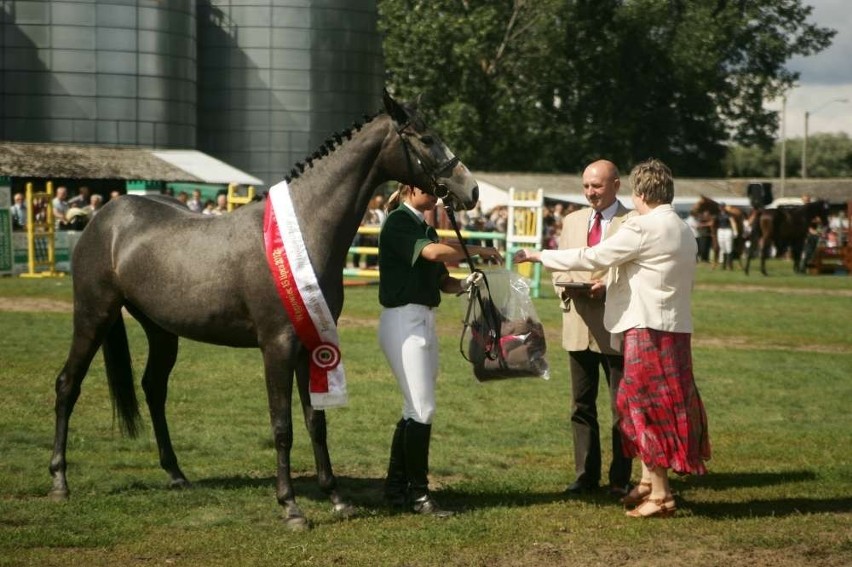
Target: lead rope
x=492, y=320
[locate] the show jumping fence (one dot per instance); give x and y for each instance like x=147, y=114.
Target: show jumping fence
x=41, y=234
x=524, y=229
x=374, y=251
x=235, y=199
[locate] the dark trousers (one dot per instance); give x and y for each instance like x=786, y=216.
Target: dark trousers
x=585, y=376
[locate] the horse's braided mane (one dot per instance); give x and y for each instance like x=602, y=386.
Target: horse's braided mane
x=326, y=148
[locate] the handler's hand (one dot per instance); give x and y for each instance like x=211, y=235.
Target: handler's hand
x=490, y=254
x=474, y=279
x=526, y=255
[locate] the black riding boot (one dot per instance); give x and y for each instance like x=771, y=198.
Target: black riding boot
x=396, y=483
x=417, y=468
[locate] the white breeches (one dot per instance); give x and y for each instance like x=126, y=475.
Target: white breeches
x=408, y=339
x=725, y=238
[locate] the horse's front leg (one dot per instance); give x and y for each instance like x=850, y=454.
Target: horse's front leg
x=278, y=367
x=316, y=424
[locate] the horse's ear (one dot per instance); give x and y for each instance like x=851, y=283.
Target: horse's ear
x=394, y=109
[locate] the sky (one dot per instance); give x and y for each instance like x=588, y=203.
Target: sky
x=824, y=78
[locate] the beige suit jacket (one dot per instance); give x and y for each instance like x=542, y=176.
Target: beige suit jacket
x=583, y=318
x=652, y=257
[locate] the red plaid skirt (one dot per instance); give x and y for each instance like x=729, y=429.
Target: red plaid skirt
x=662, y=418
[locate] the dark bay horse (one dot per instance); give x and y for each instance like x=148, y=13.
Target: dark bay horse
x=709, y=207
x=156, y=259
x=785, y=228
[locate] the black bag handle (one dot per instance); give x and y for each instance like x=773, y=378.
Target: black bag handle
x=492, y=345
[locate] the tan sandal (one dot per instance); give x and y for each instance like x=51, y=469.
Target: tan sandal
x=655, y=508
x=638, y=494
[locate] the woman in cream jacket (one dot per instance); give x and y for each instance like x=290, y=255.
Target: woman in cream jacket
x=651, y=261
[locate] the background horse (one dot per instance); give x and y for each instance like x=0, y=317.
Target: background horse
x=785, y=228
x=156, y=258
x=707, y=207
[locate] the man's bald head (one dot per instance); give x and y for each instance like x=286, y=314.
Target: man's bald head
x=601, y=183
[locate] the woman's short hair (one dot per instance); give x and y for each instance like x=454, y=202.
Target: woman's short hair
x=652, y=180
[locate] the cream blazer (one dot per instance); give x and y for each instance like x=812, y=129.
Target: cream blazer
x=652, y=261
x=583, y=318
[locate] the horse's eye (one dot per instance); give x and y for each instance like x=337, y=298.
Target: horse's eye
x=428, y=140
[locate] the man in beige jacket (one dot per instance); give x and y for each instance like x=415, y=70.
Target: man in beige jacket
x=589, y=345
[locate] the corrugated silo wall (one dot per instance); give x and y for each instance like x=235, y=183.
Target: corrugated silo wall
x=119, y=72
x=277, y=77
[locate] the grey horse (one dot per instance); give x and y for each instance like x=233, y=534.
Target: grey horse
x=156, y=259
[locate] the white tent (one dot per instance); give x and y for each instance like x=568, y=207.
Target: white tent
x=491, y=196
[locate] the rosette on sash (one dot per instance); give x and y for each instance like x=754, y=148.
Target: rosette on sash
x=302, y=297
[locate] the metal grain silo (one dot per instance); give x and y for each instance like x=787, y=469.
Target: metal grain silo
x=98, y=71
x=276, y=77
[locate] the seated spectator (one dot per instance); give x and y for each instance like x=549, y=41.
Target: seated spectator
x=81, y=199
x=95, y=203
x=19, y=212
x=60, y=207
x=221, y=205
x=195, y=204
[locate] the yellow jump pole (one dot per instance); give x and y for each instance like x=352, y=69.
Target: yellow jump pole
x=30, y=232
x=51, y=231
x=46, y=230
x=235, y=200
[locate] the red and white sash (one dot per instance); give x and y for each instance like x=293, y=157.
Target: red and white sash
x=303, y=299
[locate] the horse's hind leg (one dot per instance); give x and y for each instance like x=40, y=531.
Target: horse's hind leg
x=91, y=323
x=316, y=424
x=162, y=354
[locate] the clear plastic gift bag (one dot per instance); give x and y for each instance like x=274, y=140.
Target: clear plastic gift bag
x=503, y=336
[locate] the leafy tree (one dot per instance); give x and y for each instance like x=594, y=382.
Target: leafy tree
x=829, y=155
x=551, y=84
x=481, y=67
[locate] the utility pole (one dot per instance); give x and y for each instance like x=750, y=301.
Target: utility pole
x=783, y=173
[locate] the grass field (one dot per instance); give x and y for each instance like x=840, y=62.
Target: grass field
x=773, y=361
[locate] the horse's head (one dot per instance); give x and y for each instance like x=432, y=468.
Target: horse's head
x=428, y=162
x=814, y=209
x=705, y=205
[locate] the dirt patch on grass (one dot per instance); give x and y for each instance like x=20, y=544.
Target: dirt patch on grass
x=34, y=305
x=744, y=343
x=782, y=290
x=553, y=336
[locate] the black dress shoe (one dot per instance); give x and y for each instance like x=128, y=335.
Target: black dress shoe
x=618, y=491
x=427, y=506
x=578, y=487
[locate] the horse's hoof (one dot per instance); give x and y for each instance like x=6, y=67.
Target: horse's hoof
x=297, y=523
x=180, y=484
x=58, y=495
x=344, y=510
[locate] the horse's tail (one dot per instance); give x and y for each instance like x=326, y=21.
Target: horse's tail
x=120, y=377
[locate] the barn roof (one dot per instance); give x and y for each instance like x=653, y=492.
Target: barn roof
x=79, y=161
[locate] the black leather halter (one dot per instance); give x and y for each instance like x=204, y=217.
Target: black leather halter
x=433, y=173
